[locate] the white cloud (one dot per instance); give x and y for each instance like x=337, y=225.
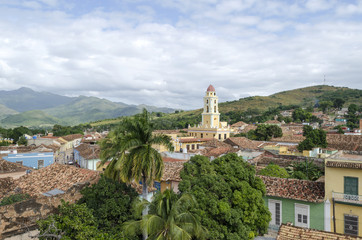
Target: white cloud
x=242, y=48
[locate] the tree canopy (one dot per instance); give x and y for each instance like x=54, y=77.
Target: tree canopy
x=314, y=138
x=229, y=196
x=273, y=170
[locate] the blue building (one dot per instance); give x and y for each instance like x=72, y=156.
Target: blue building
x=33, y=160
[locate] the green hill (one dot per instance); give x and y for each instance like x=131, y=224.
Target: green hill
x=303, y=97
x=5, y=111
x=30, y=119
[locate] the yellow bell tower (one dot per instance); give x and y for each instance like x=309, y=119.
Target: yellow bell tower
x=211, y=115
x=210, y=127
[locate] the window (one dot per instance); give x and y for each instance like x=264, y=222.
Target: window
x=215, y=101
x=275, y=208
x=188, y=147
x=207, y=109
x=193, y=146
x=202, y=135
x=302, y=215
x=40, y=164
x=214, y=108
x=225, y=136
x=351, y=225
x=351, y=185
x=219, y=136
x=207, y=101
x=197, y=146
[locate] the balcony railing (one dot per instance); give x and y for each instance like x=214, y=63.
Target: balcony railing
x=347, y=198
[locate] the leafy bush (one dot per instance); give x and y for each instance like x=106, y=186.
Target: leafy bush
x=273, y=170
x=14, y=198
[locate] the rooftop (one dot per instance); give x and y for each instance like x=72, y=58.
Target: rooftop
x=239, y=124
x=296, y=189
x=191, y=140
x=72, y=137
x=244, y=143
x=288, y=232
x=89, y=151
x=54, y=176
x=171, y=171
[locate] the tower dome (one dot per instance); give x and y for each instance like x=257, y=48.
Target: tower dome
x=210, y=89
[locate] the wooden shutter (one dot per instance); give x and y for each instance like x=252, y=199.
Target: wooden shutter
x=351, y=185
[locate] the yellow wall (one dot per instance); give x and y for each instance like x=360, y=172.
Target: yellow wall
x=334, y=179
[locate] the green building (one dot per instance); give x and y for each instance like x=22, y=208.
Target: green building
x=299, y=202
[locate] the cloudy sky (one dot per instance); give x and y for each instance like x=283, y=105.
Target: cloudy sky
x=167, y=52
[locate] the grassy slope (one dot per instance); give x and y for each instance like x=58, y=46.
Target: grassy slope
x=5, y=111
x=301, y=96
x=29, y=119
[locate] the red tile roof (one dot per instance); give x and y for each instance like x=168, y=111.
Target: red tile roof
x=239, y=124
x=296, y=189
x=191, y=140
x=244, y=143
x=342, y=164
x=72, y=137
x=171, y=171
x=54, y=176
x=216, y=152
x=288, y=232
x=88, y=151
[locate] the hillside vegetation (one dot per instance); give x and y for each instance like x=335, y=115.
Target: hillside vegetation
x=233, y=110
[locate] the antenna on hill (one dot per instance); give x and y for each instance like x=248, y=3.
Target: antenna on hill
x=324, y=81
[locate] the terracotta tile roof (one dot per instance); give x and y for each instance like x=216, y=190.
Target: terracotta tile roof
x=7, y=167
x=168, y=159
x=191, y=140
x=239, y=124
x=341, y=164
x=215, y=143
x=244, y=143
x=272, y=122
x=6, y=184
x=171, y=171
x=289, y=138
x=215, y=152
x=296, y=189
x=288, y=232
x=345, y=142
x=89, y=151
x=72, y=137
x=54, y=176
x=248, y=128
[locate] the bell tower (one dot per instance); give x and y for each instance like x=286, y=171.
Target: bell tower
x=211, y=115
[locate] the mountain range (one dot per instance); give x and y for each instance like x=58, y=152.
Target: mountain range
x=26, y=107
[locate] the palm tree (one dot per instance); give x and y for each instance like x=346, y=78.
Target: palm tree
x=129, y=148
x=169, y=218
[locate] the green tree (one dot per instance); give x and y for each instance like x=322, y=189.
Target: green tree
x=169, y=218
x=306, y=170
x=23, y=141
x=111, y=203
x=266, y=132
x=338, y=103
x=273, y=170
x=352, y=117
x=229, y=196
x=74, y=222
x=314, y=138
x=300, y=115
x=325, y=105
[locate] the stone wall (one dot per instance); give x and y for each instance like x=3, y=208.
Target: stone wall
x=22, y=216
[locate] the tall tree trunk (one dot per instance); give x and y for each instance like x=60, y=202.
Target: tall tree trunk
x=144, y=196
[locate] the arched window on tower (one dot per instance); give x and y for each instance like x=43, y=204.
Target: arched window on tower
x=207, y=101
x=215, y=109
x=207, y=109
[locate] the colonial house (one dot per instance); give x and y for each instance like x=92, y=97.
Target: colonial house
x=343, y=176
x=295, y=201
x=32, y=159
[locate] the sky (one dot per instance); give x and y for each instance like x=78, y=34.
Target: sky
x=166, y=52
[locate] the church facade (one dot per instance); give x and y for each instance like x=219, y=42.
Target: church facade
x=210, y=127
